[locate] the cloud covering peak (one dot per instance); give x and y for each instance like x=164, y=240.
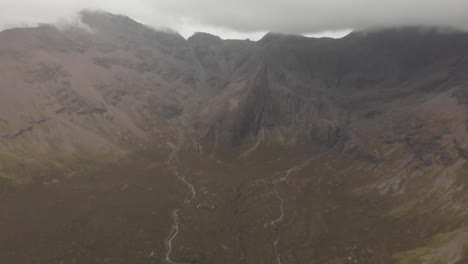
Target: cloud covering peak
x=249, y=17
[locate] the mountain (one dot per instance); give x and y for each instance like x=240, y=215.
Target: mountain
x=120, y=143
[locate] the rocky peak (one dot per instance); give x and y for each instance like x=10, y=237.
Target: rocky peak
x=105, y=21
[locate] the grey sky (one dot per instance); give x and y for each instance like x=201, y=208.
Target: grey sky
x=250, y=18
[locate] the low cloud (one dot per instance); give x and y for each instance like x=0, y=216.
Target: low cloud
x=72, y=21
x=251, y=17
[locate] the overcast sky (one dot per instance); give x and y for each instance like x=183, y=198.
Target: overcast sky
x=250, y=18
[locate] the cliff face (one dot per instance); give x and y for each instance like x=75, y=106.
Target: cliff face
x=299, y=90
x=282, y=89
x=359, y=145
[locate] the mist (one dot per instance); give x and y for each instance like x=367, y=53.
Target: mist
x=250, y=19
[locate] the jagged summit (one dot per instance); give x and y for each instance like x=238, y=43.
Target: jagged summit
x=131, y=145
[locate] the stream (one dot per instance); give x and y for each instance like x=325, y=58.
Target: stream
x=172, y=163
x=276, y=223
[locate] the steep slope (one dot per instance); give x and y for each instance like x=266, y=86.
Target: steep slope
x=97, y=90
x=302, y=89
x=136, y=145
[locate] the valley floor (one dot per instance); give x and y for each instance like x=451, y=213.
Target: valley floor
x=301, y=208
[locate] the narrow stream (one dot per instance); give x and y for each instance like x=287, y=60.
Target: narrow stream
x=276, y=223
x=172, y=163
x=172, y=235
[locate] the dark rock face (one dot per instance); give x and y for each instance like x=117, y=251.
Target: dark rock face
x=359, y=144
x=301, y=84
x=222, y=61
x=285, y=89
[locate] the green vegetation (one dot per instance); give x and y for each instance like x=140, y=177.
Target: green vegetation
x=427, y=254
x=415, y=256
x=464, y=258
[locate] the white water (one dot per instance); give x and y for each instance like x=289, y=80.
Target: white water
x=172, y=235
x=281, y=216
x=277, y=222
x=172, y=163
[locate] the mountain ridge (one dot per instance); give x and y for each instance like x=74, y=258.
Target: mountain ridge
x=306, y=150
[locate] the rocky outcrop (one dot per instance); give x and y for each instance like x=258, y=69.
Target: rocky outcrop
x=359, y=144
x=292, y=90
